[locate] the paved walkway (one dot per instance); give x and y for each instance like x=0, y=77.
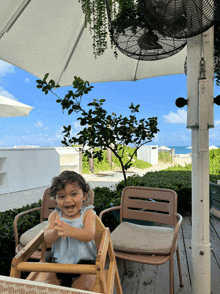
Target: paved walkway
x=22, y=198
x=104, y=179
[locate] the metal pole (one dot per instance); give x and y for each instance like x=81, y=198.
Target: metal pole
x=200, y=77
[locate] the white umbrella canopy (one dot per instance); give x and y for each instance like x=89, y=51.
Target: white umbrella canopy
x=12, y=108
x=45, y=37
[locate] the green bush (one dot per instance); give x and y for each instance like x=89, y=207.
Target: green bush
x=164, y=156
x=177, y=178
x=7, y=238
x=98, y=165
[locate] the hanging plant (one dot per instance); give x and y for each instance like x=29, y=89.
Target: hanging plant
x=97, y=21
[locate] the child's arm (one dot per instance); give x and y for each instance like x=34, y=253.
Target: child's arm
x=51, y=234
x=86, y=234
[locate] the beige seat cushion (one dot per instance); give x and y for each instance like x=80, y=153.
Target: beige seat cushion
x=215, y=212
x=30, y=234
x=132, y=238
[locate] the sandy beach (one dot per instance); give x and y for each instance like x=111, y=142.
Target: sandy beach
x=104, y=179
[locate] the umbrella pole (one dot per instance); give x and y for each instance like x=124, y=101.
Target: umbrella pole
x=200, y=77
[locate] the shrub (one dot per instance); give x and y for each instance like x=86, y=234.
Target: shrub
x=177, y=178
x=164, y=156
x=7, y=238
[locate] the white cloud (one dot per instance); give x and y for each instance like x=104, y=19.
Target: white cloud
x=39, y=124
x=217, y=122
x=40, y=139
x=77, y=126
x=27, y=80
x=5, y=93
x=6, y=68
x=176, y=118
x=155, y=139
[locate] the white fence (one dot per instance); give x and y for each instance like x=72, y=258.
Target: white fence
x=30, y=168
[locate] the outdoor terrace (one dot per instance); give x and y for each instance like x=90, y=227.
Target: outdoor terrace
x=144, y=278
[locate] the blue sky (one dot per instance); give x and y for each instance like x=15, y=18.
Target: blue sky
x=44, y=125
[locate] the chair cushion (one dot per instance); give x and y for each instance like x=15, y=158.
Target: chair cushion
x=132, y=238
x=30, y=234
x=215, y=212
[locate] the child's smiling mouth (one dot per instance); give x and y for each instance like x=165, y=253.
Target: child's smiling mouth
x=70, y=207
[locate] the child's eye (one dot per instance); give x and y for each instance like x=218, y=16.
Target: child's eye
x=60, y=196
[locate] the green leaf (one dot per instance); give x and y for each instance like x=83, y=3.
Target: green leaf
x=40, y=82
x=45, y=77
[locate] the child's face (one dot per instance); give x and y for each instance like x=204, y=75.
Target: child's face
x=70, y=199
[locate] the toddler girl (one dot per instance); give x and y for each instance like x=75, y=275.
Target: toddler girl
x=71, y=227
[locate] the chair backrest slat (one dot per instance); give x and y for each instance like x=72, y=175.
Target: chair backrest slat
x=48, y=204
x=161, y=208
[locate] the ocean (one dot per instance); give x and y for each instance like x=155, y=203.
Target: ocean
x=182, y=149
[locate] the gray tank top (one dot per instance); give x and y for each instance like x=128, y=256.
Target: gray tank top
x=70, y=250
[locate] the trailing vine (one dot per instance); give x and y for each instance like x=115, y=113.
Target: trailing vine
x=97, y=21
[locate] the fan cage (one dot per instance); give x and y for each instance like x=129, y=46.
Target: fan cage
x=135, y=38
x=180, y=18
x=126, y=40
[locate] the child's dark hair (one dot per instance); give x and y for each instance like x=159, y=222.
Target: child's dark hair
x=59, y=182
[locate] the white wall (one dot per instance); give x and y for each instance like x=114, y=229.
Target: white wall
x=30, y=168
x=69, y=158
x=148, y=153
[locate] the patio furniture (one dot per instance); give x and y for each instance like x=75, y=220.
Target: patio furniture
x=148, y=244
x=41, y=271
x=214, y=194
x=47, y=206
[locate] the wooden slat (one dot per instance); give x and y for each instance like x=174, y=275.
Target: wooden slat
x=111, y=277
x=57, y=267
x=148, y=278
x=154, y=217
x=130, y=282
x=152, y=193
x=215, y=257
x=158, y=206
x=187, y=236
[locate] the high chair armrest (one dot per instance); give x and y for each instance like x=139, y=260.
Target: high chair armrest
x=176, y=229
x=29, y=249
x=16, y=220
x=108, y=209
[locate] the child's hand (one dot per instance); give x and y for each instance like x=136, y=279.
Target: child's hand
x=62, y=227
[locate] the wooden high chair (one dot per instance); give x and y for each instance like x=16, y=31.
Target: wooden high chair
x=103, y=279
x=47, y=207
